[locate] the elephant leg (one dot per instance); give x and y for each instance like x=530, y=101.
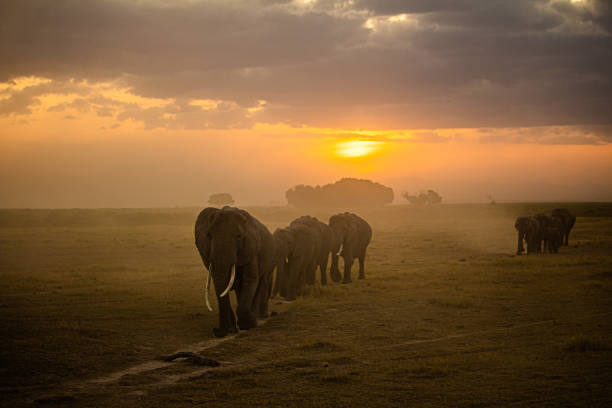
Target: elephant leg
x=334, y=272
x=227, y=321
x=250, y=281
x=361, y=265
x=530, y=244
x=348, y=263
x=284, y=280
x=260, y=301
x=276, y=287
x=238, y=281
x=311, y=272
x=306, y=270
x=519, y=244
x=291, y=282
x=312, y=276
x=265, y=287
x=323, y=267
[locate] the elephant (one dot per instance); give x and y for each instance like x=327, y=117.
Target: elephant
x=354, y=235
x=237, y=250
x=549, y=228
x=327, y=242
x=528, y=230
x=568, y=219
x=552, y=234
x=296, y=249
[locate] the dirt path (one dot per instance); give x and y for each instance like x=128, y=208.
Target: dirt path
x=68, y=391
x=159, y=378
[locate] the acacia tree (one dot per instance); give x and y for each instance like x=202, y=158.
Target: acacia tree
x=220, y=199
x=425, y=198
x=347, y=192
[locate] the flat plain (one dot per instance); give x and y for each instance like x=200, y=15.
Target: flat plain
x=447, y=315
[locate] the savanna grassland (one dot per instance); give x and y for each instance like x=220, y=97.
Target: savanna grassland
x=447, y=316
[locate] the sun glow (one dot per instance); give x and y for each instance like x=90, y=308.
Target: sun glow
x=357, y=148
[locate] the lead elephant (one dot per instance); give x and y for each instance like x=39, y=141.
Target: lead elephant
x=327, y=242
x=568, y=219
x=237, y=251
x=354, y=235
x=528, y=229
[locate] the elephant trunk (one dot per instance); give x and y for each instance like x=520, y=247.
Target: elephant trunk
x=223, y=274
x=231, y=281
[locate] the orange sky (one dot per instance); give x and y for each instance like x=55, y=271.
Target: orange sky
x=161, y=103
x=74, y=158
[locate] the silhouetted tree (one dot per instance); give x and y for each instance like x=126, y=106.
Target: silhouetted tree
x=348, y=192
x=429, y=197
x=220, y=199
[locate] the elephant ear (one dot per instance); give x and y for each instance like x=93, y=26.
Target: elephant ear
x=204, y=221
x=202, y=226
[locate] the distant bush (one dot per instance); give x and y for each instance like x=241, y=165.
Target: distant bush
x=220, y=199
x=348, y=192
x=428, y=198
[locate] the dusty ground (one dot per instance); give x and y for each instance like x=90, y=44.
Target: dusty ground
x=446, y=317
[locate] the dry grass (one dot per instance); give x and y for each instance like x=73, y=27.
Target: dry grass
x=446, y=317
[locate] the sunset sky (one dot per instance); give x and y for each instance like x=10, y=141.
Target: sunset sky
x=162, y=103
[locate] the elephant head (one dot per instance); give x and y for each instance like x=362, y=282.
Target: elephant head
x=222, y=238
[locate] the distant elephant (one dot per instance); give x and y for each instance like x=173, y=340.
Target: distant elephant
x=528, y=231
x=354, y=235
x=237, y=250
x=327, y=242
x=296, y=248
x=552, y=235
x=568, y=219
x=549, y=230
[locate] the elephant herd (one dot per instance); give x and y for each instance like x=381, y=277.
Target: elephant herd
x=544, y=232
x=241, y=254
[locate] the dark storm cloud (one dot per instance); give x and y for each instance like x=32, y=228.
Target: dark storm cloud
x=551, y=135
x=464, y=63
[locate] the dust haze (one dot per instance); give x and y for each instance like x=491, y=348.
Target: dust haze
x=322, y=203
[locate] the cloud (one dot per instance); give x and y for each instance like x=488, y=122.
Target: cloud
x=106, y=100
x=551, y=135
x=366, y=63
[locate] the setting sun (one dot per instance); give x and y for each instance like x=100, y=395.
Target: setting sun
x=357, y=148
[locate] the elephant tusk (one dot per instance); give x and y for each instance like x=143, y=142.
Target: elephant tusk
x=231, y=282
x=208, y=278
x=340, y=250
